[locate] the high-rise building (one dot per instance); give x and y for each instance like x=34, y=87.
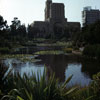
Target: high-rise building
x=47, y=9
x=54, y=18
x=90, y=15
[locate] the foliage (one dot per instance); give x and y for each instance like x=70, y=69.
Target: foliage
x=17, y=30
x=56, y=43
x=3, y=79
x=68, y=50
x=38, y=88
x=2, y=73
x=58, y=31
x=91, y=92
x=92, y=51
x=4, y=50
x=90, y=38
x=52, y=52
x=89, y=35
x=11, y=35
x=96, y=86
x=3, y=23
x=82, y=94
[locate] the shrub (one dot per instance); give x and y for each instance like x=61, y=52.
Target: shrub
x=92, y=51
x=68, y=50
x=95, y=85
x=76, y=48
x=91, y=92
x=43, y=88
x=4, y=50
x=98, y=52
x=3, y=70
x=84, y=93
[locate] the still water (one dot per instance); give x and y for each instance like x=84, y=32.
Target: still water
x=62, y=65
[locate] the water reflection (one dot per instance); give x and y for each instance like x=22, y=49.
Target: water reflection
x=78, y=78
x=90, y=67
x=62, y=65
x=26, y=67
x=55, y=63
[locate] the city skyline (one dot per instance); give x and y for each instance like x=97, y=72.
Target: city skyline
x=30, y=10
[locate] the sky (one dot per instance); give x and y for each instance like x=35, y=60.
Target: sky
x=33, y=10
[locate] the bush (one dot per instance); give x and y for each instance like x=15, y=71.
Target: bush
x=91, y=92
x=68, y=50
x=92, y=51
x=84, y=93
x=35, y=88
x=96, y=86
x=89, y=34
x=76, y=48
x=3, y=79
x=4, y=50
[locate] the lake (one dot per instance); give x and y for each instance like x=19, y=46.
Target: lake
x=62, y=65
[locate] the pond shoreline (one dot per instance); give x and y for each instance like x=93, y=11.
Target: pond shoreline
x=60, y=64
x=58, y=59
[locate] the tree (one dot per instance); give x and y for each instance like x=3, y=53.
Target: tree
x=58, y=30
x=15, y=25
x=3, y=24
x=33, y=32
x=22, y=30
x=89, y=35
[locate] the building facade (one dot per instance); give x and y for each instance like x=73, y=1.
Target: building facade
x=90, y=16
x=55, y=20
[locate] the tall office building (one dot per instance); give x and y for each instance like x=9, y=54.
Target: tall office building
x=90, y=15
x=54, y=17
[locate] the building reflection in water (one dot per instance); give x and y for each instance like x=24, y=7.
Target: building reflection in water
x=56, y=64
x=62, y=65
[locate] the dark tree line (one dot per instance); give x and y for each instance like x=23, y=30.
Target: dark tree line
x=89, y=37
x=90, y=34
x=13, y=35
x=15, y=32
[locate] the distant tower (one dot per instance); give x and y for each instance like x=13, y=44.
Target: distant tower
x=47, y=9
x=90, y=16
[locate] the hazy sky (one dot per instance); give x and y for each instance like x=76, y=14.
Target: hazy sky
x=33, y=10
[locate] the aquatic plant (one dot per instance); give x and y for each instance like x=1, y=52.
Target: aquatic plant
x=51, y=52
